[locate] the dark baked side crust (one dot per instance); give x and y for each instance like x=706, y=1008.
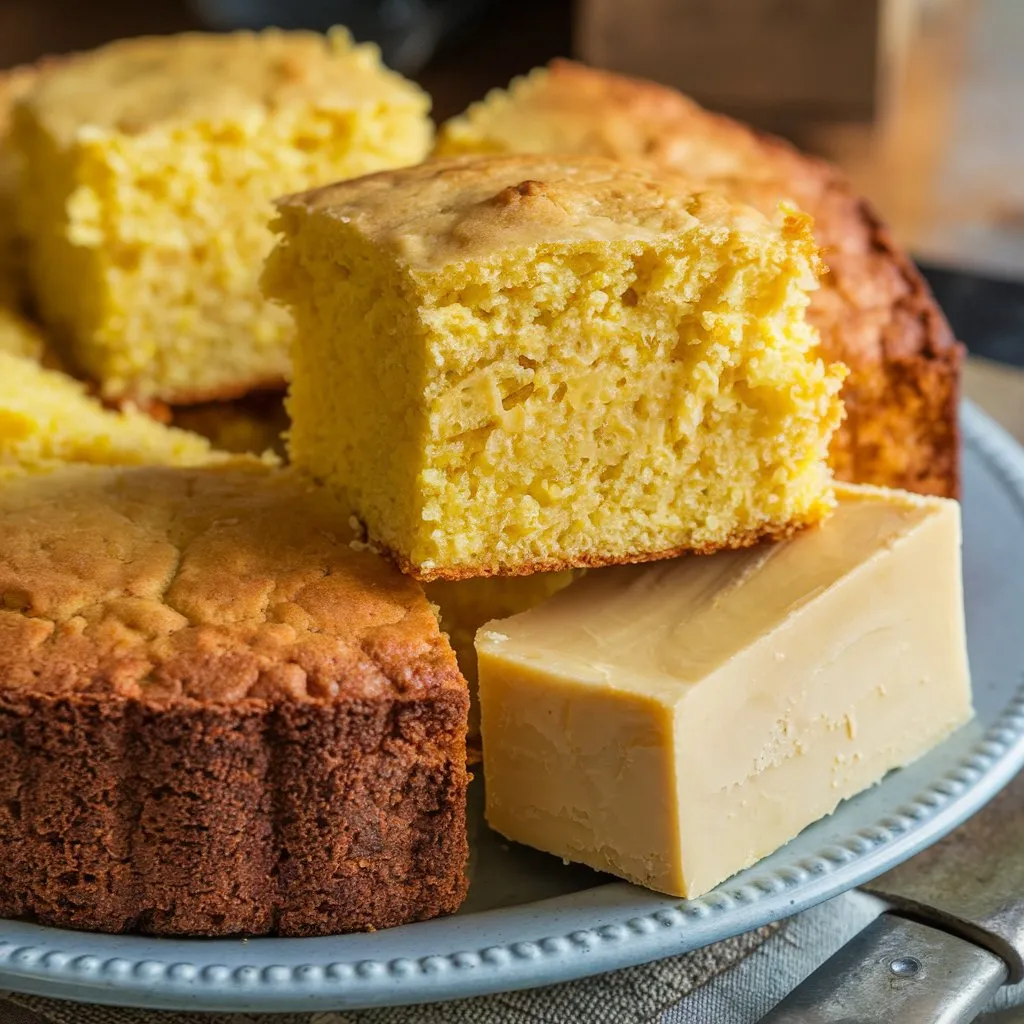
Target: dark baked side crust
x=293, y=818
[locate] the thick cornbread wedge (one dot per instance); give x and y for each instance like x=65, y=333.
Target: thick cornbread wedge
x=217, y=716
x=874, y=310
x=149, y=166
x=521, y=364
x=47, y=417
x=674, y=723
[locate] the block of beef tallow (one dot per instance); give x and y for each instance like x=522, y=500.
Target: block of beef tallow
x=674, y=723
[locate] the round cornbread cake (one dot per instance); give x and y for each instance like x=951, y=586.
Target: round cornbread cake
x=219, y=715
x=874, y=310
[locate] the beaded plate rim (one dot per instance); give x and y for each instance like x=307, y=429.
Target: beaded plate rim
x=50, y=961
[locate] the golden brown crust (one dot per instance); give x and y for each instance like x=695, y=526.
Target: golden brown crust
x=234, y=720
x=212, y=77
x=433, y=214
x=221, y=584
x=591, y=561
x=874, y=310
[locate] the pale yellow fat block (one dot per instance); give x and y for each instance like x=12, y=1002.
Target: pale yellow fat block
x=674, y=723
x=149, y=166
x=526, y=364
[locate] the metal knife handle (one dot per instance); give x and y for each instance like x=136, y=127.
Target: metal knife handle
x=897, y=971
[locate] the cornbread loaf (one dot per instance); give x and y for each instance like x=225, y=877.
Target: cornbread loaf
x=47, y=417
x=674, y=723
x=149, y=166
x=217, y=717
x=524, y=364
x=874, y=310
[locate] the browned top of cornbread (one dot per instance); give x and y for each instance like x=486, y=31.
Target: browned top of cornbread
x=445, y=211
x=216, y=585
x=874, y=306
x=133, y=85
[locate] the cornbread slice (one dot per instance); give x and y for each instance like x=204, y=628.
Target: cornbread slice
x=47, y=417
x=674, y=723
x=524, y=364
x=217, y=717
x=149, y=166
x=874, y=310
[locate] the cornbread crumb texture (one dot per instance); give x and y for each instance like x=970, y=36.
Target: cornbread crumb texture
x=521, y=364
x=605, y=712
x=874, y=310
x=150, y=165
x=202, y=652
x=48, y=418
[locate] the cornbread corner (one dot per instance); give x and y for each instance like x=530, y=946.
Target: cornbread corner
x=148, y=170
x=874, y=310
x=203, y=653
x=523, y=364
x=48, y=418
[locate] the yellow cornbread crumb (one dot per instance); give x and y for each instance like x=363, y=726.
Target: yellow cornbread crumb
x=519, y=364
x=47, y=417
x=149, y=166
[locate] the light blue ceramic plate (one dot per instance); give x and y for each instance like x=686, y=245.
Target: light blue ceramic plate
x=531, y=920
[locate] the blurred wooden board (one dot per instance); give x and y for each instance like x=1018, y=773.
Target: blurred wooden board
x=945, y=164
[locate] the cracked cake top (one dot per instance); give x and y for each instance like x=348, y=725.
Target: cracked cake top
x=221, y=584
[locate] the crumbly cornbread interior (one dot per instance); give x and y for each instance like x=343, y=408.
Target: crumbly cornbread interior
x=874, y=312
x=150, y=165
x=521, y=364
x=47, y=418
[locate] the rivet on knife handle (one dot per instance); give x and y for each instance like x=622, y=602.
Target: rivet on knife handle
x=898, y=971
